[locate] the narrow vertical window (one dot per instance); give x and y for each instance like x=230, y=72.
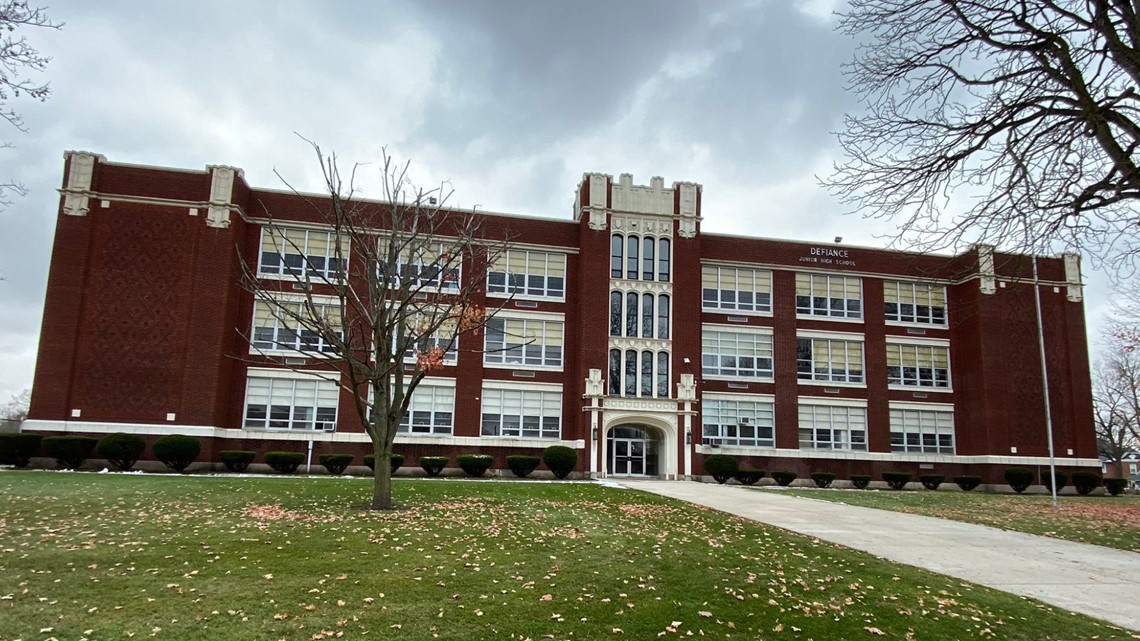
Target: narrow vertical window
x=647, y=315
x=663, y=260
x=631, y=258
x=631, y=314
x=616, y=243
x=663, y=316
x=647, y=259
x=647, y=373
x=615, y=313
x=615, y=372
x=630, y=373
x=663, y=374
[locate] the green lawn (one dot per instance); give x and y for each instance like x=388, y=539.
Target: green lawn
x=1102, y=520
x=88, y=556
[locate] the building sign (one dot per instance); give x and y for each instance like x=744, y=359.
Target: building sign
x=828, y=257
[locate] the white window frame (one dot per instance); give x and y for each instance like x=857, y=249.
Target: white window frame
x=828, y=309
x=448, y=284
x=623, y=380
x=833, y=339
x=762, y=340
x=916, y=290
x=435, y=397
x=284, y=272
x=281, y=380
x=548, y=399
x=834, y=409
x=905, y=347
x=275, y=346
x=655, y=325
x=546, y=324
x=934, y=419
x=717, y=303
x=531, y=269
x=751, y=411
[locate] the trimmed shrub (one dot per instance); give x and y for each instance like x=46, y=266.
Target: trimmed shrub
x=721, y=467
x=177, y=451
x=69, y=451
x=748, y=475
x=19, y=448
x=784, y=478
x=560, y=459
x=236, y=460
x=1018, y=478
x=1047, y=480
x=1115, y=486
x=931, y=481
x=475, y=464
x=336, y=464
x=433, y=465
x=822, y=479
x=121, y=450
x=897, y=480
x=397, y=461
x=967, y=483
x=1086, y=482
x=284, y=462
x=523, y=464
x=860, y=481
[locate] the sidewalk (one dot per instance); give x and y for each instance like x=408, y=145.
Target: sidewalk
x=1089, y=579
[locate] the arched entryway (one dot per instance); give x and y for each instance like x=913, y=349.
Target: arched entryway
x=633, y=450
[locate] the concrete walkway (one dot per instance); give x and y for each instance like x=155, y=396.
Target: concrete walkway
x=1089, y=579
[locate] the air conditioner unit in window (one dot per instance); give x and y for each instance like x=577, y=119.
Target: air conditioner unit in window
x=326, y=426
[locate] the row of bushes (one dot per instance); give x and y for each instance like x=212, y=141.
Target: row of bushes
x=723, y=467
x=177, y=452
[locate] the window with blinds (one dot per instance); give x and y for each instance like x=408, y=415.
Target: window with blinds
x=918, y=365
x=521, y=413
x=277, y=326
x=831, y=296
x=914, y=303
x=290, y=404
x=528, y=273
x=302, y=254
x=523, y=342
x=829, y=360
x=830, y=427
x=736, y=289
x=736, y=354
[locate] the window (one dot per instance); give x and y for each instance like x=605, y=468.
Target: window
x=290, y=403
x=275, y=326
x=829, y=427
x=736, y=354
x=528, y=273
x=523, y=341
x=428, y=266
x=832, y=296
x=738, y=422
x=925, y=431
x=914, y=303
x=829, y=361
x=301, y=254
x=522, y=413
x=635, y=257
x=642, y=314
x=918, y=365
x=644, y=373
x=736, y=289
x=431, y=411
x=419, y=344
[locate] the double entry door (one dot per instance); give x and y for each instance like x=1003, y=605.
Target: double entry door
x=632, y=452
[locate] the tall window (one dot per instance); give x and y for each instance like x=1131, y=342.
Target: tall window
x=829, y=361
x=615, y=313
x=290, y=403
x=634, y=315
x=663, y=316
x=831, y=296
x=736, y=289
x=828, y=427
x=931, y=432
x=523, y=341
x=275, y=327
x=636, y=257
x=914, y=303
x=301, y=254
x=528, y=273
x=634, y=373
x=738, y=422
x=431, y=411
x=746, y=355
x=521, y=413
x=918, y=365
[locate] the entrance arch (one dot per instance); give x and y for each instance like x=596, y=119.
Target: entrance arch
x=633, y=450
x=657, y=427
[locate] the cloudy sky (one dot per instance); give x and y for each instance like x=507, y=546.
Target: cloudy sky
x=510, y=101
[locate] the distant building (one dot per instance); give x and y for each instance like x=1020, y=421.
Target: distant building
x=653, y=344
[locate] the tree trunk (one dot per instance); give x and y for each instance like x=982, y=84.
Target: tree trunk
x=382, y=477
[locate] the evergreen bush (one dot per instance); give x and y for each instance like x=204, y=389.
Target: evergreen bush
x=897, y=480
x=1019, y=478
x=1086, y=482
x=121, y=450
x=860, y=481
x=721, y=467
x=822, y=479
x=433, y=465
x=475, y=464
x=1047, y=480
x=177, y=451
x=1115, y=486
x=236, y=460
x=284, y=462
x=397, y=461
x=523, y=464
x=784, y=479
x=931, y=481
x=560, y=459
x=69, y=451
x=19, y=448
x=967, y=483
x=748, y=475
x=336, y=464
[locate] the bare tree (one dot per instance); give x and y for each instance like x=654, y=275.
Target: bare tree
x=1026, y=109
x=1116, y=397
x=17, y=57
x=385, y=301
x=16, y=409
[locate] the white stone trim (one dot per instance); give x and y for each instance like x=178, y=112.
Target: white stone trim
x=742, y=329
x=893, y=339
x=858, y=337
x=921, y=407
x=533, y=386
x=851, y=455
x=528, y=314
x=738, y=396
x=836, y=402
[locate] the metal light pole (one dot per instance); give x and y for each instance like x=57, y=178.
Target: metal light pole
x=1044, y=380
